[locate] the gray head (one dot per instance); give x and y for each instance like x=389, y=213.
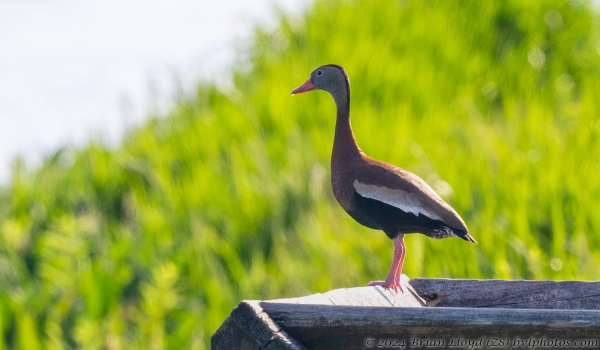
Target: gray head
x=331, y=78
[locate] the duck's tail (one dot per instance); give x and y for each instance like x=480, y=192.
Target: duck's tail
x=464, y=235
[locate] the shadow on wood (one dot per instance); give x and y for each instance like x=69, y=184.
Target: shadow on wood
x=431, y=313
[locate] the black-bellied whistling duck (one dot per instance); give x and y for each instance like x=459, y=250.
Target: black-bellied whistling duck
x=376, y=194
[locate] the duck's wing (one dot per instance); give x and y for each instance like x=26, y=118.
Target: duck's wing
x=404, y=190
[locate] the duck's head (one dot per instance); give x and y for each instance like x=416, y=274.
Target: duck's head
x=331, y=78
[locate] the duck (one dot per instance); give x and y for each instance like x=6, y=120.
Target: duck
x=376, y=194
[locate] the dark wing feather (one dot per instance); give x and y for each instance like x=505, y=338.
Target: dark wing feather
x=381, y=174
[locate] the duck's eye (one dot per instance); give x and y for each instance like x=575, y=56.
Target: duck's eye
x=319, y=73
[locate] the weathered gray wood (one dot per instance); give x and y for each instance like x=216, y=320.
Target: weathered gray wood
x=250, y=321
x=564, y=295
x=363, y=296
x=231, y=336
x=513, y=314
x=344, y=327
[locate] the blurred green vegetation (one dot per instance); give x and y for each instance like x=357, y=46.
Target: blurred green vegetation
x=150, y=245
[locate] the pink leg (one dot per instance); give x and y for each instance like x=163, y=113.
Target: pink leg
x=393, y=278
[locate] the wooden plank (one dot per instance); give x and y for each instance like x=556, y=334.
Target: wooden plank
x=345, y=327
x=249, y=321
x=231, y=336
x=363, y=296
x=564, y=295
x=469, y=314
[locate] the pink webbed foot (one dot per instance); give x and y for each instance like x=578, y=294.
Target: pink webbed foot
x=395, y=285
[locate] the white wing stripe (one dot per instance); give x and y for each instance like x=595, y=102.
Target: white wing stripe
x=407, y=202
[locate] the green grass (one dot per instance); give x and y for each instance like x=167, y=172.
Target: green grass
x=150, y=245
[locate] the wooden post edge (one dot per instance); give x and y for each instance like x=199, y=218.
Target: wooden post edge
x=250, y=327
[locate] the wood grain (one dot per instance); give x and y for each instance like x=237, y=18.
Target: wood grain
x=363, y=296
x=345, y=327
x=562, y=295
x=431, y=313
x=249, y=322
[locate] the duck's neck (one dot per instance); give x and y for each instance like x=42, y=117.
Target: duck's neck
x=345, y=148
